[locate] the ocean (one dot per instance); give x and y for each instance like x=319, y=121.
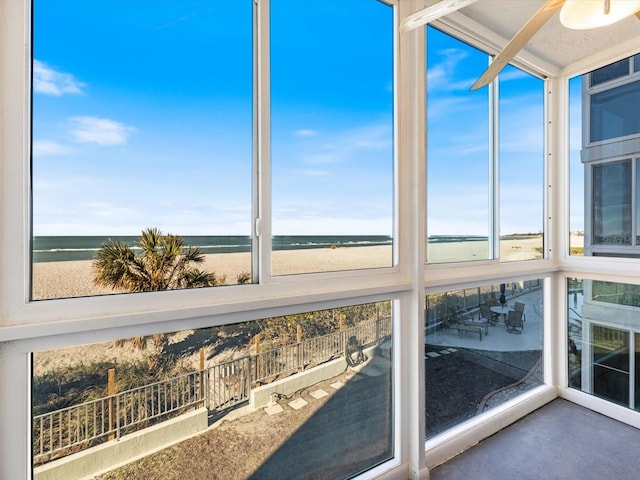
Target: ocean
x=67, y=248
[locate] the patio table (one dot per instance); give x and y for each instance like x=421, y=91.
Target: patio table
x=502, y=312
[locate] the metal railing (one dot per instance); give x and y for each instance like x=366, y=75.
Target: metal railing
x=74, y=428
x=218, y=387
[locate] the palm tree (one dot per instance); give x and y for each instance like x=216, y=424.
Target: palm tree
x=165, y=263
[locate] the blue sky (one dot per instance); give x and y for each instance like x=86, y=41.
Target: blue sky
x=143, y=117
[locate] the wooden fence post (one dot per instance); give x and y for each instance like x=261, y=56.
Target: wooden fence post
x=341, y=318
x=111, y=391
x=203, y=392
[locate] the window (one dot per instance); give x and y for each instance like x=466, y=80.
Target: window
x=458, y=194
x=479, y=353
x=331, y=135
x=604, y=332
x=277, y=388
x=613, y=113
x=576, y=170
x=612, y=203
x=610, y=72
x=521, y=165
x=142, y=118
x=485, y=173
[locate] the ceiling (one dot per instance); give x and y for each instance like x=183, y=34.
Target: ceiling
x=554, y=49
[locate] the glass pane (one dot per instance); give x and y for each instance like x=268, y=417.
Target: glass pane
x=458, y=197
x=610, y=72
x=637, y=204
x=478, y=353
x=614, y=113
x=610, y=353
x=521, y=165
x=602, y=316
x=142, y=118
x=248, y=400
x=636, y=393
x=636, y=63
x=576, y=169
x=331, y=135
x=612, y=203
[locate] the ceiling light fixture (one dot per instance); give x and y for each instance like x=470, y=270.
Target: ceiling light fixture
x=586, y=14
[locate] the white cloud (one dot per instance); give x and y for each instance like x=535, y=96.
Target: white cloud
x=99, y=130
x=48, y=81
x=44, y=148
x=306, y=133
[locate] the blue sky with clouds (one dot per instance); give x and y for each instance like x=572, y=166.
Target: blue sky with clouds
x=143, y=116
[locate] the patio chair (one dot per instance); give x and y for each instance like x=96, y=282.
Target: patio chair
x=519, y=306
x=488, y=315
x=463, y=323
x=514, y=322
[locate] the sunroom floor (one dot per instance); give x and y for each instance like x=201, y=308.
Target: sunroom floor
x=559, y=441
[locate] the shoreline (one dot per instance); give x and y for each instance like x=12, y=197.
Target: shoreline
x=74, y=278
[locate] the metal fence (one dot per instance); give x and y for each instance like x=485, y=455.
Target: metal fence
x=74, y=428
x=218, y=387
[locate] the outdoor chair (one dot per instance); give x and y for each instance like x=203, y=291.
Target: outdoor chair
x=514, y=322
x=519, y=306
x=463, y=323
x=488, y=315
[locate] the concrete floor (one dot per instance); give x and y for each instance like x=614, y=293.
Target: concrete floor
x=559, y=441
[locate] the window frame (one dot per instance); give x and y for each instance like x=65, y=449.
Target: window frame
x=589, y=91
x=27, y=326
x=493, y=164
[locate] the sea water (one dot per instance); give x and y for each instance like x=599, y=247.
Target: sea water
x=66, y=248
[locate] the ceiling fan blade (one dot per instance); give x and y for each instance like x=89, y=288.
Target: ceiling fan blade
x=512, y=48
x=431, y=13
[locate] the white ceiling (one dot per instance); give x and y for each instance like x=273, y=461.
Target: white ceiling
x=559, y=49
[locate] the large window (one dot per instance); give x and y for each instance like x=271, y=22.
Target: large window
x=331, y=135
x=275, y=389
x=613, y=113
x=604, y=340
x=142, y=118
x=612, y=203
x=459, y=201
x=521, y=154
x=483, y=346
x=485, y=174
x=161, y=137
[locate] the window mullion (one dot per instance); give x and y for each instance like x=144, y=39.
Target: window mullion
x=494, y=170
x=261, y=257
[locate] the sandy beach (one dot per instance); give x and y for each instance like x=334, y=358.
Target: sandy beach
x=75, y=278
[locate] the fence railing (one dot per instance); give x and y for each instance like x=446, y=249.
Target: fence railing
x=218, y=387
x=74, y=428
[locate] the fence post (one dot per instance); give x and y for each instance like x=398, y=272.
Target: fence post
x=203, y=392
x=299, y=360
x=257, y=356
x=111, y=391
